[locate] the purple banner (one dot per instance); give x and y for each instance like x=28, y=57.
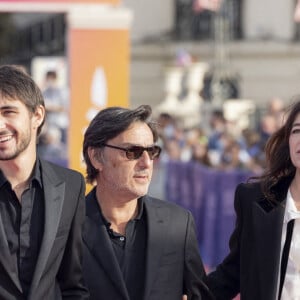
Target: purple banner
x=209, y=194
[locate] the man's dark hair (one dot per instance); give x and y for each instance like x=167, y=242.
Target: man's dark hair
x=108, y=124
x=16, y=84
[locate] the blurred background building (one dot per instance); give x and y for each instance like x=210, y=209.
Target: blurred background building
x=259, y=44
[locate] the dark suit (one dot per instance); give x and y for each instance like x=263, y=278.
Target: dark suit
x=252, y=266
x=172, y=258
x=58, y=269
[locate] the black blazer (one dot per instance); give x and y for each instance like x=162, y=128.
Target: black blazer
x=58, y=272
x=172, y=258
x=252, y=266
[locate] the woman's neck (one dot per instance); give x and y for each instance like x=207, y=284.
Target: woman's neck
x=295, y=191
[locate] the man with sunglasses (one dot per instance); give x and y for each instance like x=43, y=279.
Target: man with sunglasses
x=136, y=247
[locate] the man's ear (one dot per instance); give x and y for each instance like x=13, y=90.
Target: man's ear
x=38, y=116
x=95, y=158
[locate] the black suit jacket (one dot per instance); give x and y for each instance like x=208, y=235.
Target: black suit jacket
x=58, y=272
x=172, y=258
x=252, y=266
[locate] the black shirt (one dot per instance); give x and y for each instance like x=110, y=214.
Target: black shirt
x=23, y=224
x=130, y=251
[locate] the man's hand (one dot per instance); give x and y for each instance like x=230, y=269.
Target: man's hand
x=184, y=297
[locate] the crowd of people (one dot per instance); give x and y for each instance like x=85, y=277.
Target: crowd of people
x=219, y=144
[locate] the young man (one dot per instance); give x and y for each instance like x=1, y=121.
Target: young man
x=135, y=247
x=41, y=204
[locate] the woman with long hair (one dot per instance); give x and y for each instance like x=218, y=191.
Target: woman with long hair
x=264, y=258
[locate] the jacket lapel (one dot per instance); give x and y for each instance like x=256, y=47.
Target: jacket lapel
x=157, y=220
x=97, y=240
x=267, y=230
x=6, y=259
x=54, y=193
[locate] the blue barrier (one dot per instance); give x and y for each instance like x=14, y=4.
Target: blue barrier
x=208, y=193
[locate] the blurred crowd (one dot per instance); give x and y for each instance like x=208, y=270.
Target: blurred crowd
x=53, y=139
x=218, y=144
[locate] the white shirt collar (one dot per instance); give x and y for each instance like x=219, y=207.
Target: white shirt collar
x=291, y=211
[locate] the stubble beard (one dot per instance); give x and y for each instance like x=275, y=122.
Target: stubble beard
x=21, y=147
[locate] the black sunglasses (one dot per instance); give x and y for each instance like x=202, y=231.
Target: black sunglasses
x=135, y=152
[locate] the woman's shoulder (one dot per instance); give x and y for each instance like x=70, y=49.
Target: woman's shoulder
x=250, y=189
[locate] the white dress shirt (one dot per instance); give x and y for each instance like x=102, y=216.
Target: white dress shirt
x=291, y=286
